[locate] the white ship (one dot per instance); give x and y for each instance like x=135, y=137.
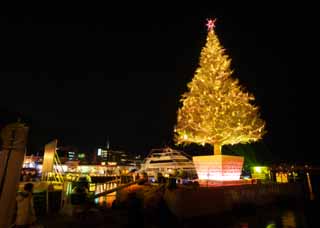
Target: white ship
x=168, y=161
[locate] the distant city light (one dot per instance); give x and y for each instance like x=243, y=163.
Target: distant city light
x=81, y=155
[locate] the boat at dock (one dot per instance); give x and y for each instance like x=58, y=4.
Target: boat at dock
x=168, y=162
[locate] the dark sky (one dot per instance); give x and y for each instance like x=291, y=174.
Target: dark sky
x=120, y=75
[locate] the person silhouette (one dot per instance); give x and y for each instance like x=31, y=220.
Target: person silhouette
x=26, y=215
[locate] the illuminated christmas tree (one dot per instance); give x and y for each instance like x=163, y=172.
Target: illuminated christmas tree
x=216, y=109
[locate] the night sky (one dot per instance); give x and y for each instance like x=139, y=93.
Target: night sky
x=120, y=75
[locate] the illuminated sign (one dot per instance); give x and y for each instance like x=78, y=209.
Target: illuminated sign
x=99, y=151
x=260, y=172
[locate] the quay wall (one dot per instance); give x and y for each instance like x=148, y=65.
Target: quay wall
x=186, y=203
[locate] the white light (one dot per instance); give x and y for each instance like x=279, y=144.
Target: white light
x=99, y=152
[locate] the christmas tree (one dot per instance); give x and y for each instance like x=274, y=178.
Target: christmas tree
x=216, y=109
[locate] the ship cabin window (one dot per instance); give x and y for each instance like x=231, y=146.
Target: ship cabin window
x=156, y=155
x=181, y=160
x=161, y=161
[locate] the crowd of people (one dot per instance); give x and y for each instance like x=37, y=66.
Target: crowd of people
x=28, y=175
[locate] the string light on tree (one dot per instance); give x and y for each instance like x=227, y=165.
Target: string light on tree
x=216, y=109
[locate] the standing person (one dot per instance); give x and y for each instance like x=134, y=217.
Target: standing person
x=25, y=210
x=135, y=218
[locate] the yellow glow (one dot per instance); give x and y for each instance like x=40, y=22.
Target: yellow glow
x=260, y=172
x=216, y=109
x=92, y=187
x=282, y=177
x=257, y=169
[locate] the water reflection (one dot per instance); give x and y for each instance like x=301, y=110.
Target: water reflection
x=288, y=219
x=269, y=217
x=106, y=201
x=284, y=215
x=310, y=187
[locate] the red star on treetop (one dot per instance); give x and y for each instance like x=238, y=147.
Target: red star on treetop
x=210, y=24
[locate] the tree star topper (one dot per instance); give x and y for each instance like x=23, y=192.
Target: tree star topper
x=211, y=24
